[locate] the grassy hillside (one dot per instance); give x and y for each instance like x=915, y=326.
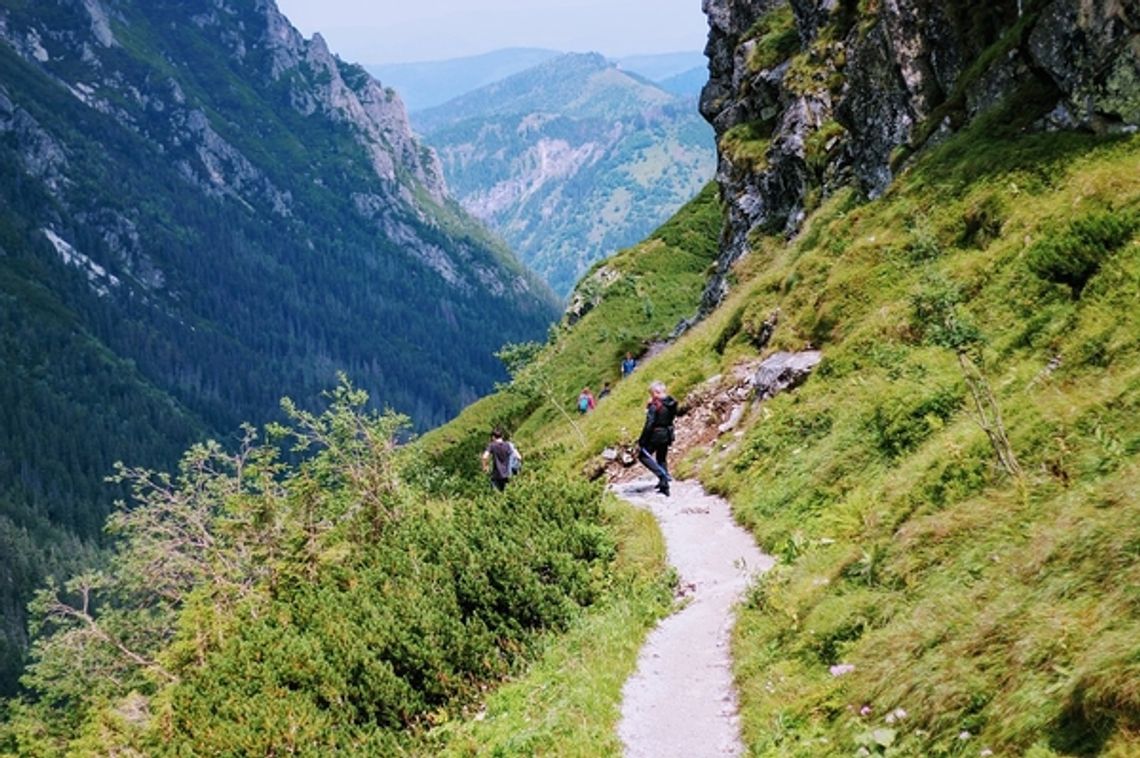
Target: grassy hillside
x=978, y=612
x=997, y=612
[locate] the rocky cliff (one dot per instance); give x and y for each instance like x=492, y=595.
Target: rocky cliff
x=810, y=95
x=82, y=53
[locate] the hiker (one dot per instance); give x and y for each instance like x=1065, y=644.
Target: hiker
x=515, y=464
x=605, y=390
x=657, y=435
x=628, y=365
x=497, y=459
x=586, y=401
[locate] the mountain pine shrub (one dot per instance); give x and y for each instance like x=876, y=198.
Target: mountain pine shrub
x=1073, y=254
x=299, y=595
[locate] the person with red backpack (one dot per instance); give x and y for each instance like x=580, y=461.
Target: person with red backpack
x=657, y=435
x=586, y=401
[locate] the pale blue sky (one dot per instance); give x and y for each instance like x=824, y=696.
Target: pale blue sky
x=397, y=31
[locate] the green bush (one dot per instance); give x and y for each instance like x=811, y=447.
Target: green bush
x=776, y=37
x=901, y=421
x=318, y=605
x=1073, y=255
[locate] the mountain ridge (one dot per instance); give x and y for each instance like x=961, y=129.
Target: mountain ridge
x=570, y=160
x=201, y=212
x=427, y=84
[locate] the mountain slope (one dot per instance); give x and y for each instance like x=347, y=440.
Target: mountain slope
x=427, y=84
x=952, y=494
x=570, y=160
x=200, y=212
x=686, y=83
x=951, y=582
x=922, y=595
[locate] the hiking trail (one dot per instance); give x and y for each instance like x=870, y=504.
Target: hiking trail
x=681, y=700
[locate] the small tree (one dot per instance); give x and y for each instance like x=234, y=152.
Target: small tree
x=198, y=551
x=936, y=314
x=531, y=378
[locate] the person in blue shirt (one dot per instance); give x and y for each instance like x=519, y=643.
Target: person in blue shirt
x=628, y=365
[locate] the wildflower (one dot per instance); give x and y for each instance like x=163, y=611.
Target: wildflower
x=840, y=669
x=865, y=710
x=985, y=752
x=898, y=714
x=964, y=735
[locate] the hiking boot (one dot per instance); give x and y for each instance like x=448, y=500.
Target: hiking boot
x=663, y=489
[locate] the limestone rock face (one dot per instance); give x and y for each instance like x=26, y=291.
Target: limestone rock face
x=870, y=86
x=1091, y=50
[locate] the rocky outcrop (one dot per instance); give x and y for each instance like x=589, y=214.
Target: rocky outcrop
x=869, y=86
x=40, y=154
x=266, y=49
x=784, y=371
x=748, y=198
x=1091, y=50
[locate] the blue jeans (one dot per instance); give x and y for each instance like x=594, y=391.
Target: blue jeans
x=655, y=461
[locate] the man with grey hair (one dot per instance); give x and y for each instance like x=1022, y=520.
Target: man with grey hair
x=657, y=435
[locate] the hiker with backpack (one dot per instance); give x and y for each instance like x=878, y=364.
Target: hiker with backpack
x=501, y=460
x=657, y=435
x=586, y=401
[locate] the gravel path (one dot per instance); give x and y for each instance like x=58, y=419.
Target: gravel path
x=681, y=701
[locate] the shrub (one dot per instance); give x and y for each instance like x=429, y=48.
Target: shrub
x=317, y=601
x=903, y=420
x=1073, y=255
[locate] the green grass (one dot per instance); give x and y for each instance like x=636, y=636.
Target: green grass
x=747, y=144
x=568, y=703
x=975, y=603
x=774, y=38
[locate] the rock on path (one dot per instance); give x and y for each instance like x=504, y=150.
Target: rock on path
x=681, y=700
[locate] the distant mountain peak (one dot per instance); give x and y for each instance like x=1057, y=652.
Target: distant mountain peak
x=572, y=159
x=578, y=85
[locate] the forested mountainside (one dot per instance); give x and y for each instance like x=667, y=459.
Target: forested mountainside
x=200, y=212
x=571, y=160
x=951, y=494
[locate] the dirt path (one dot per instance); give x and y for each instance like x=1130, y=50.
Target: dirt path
x=681, y=701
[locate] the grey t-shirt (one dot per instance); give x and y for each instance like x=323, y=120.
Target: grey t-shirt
x=500, y=451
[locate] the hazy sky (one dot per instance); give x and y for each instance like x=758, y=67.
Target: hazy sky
x=396, y=31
